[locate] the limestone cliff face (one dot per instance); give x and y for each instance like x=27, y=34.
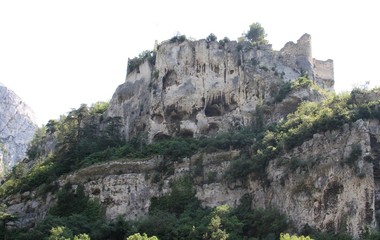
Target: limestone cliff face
x=322, y=189
x=17, y=127
x=313, y=184
x=200, y=88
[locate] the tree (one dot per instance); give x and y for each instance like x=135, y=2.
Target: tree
x=138, y=236
x=99, y=107
x=60, y=233
x=211, y=38
x=256, y=34
x=215, y=232
x=82, y=236
x=293, y=237
x=112, y=132
x=51, y=126
x=63, y=233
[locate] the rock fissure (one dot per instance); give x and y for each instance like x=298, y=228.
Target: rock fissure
x=17, y=126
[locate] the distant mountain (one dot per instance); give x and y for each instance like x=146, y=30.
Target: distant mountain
x=17, y=127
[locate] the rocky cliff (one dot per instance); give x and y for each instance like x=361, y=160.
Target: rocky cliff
x=17, y=127
x=313, y=184
x=199, y=88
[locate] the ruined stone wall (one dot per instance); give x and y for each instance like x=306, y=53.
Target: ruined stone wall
x=131, y=101
x=299, y=55
x=324, y=73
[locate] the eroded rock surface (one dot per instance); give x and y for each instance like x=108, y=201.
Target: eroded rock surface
x=17, y=127
x=201, y=88
x=313, y=184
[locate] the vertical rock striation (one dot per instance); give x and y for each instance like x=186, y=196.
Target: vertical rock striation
x=199, y=88
x=17, y=127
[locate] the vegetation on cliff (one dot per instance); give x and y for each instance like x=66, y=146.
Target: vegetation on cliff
x=300, y=126
x=178, y=215
x=83, y=138
x=180, y=211
x=76, y=136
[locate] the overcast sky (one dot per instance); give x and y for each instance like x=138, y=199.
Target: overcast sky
x=58, y=54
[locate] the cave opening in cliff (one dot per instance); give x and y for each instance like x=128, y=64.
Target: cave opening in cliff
x=213, y=110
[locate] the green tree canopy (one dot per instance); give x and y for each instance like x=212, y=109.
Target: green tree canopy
x=293, y=237
x=256, y=34
x=64, y=233
x=138, y=236
x=211, y=38
x=60, y=233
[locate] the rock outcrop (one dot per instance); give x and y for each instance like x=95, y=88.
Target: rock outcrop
x=313, y=184
x=199, y=88
x=17, y=127
x=316, y=184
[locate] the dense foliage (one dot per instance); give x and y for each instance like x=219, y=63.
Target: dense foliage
x=138, y=236
x=135, y=62
x=179, y=215
x=77, y=135
x=298, y=127
x=211, y=38
x=287, y=236
x=178, y=39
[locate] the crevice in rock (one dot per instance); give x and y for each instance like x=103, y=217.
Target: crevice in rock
x=169, y=79
x=375, y=152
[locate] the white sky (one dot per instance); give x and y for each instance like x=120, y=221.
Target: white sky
x=58, y=54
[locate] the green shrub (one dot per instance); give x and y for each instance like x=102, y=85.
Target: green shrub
x=99, y=107
x=138, y=236
x=223, y=42
x=287, y=236
x=211, y=177
x=211, y=38
x=178, y=38
x=285, y=89
x=135, y=62
x=256, y=34
x=356, y=153
x=370, y=235
x=61, y=233
x=181, y=196
x=288, y=87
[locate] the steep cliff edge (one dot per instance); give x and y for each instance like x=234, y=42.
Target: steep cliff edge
x=17, y=127
x=200, y=88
